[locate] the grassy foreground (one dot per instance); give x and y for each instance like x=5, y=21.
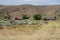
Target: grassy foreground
x=49, y=31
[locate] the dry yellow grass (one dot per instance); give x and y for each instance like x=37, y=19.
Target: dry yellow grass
x=50, y=31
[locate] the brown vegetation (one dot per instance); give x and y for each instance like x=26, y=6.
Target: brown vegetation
x=50, y=31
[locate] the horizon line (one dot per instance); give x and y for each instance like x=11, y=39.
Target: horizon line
x=28, y=4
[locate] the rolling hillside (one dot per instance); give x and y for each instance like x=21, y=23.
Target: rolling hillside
x=30, y=10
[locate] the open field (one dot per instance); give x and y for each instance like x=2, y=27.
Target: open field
x=49, y=31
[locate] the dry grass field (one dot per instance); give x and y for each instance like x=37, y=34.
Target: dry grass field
x=49, y=31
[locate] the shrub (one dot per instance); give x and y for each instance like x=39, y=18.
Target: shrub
x=37, y=17
x=7, y=17
x=1, y=26
x=25, y=17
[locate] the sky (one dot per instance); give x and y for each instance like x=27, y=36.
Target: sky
x=33, y=2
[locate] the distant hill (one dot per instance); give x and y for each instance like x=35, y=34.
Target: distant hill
x=30, y=10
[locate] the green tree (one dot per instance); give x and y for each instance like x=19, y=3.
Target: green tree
x=25, y=17
x=37, y=17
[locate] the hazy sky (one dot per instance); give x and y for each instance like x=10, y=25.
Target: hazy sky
x=35, y=2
